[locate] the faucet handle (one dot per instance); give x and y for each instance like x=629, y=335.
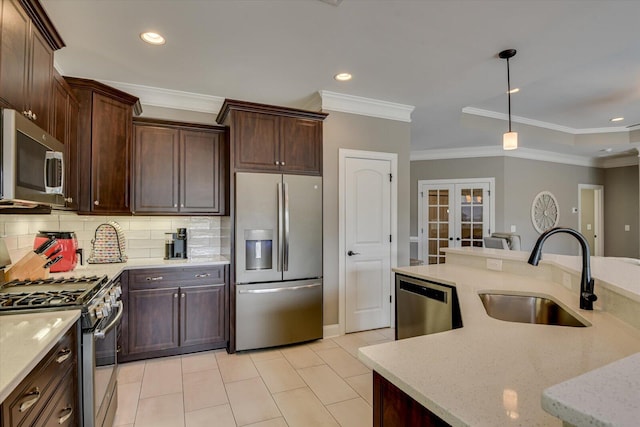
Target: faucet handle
x=589, y=296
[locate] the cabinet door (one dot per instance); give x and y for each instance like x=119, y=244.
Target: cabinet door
x=200, y=172
x=60, y=111
x=202, y=315
x=156, y=169
x=153, y=320
x=40, y=79
x=14, y=60
x=110, y=148
x=257, y=146
x=301, y=145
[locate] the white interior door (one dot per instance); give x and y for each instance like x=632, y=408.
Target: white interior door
x=367, y=243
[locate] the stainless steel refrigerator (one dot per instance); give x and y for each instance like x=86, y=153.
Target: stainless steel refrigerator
x=278, y=259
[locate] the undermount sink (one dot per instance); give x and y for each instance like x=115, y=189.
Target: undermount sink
x=528, y=309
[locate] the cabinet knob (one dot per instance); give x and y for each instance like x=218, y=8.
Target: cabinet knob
x=183, y=295
x=175, y=295
x=175, y=205
x=282, y=163
x=154, y=279
x=277, y=163
x=97, y=203
x=182, y=205
x=69, y=199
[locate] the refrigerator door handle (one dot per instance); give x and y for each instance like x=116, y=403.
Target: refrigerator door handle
x=272, y=290
x=280, y=227
x=285, y=260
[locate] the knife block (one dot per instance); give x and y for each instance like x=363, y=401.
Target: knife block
x=29, y=267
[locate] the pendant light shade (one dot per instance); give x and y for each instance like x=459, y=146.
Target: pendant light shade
x=509, y=139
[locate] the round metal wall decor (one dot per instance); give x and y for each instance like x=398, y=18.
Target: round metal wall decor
x=545, y=213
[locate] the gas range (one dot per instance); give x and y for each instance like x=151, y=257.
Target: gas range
x=91, y=294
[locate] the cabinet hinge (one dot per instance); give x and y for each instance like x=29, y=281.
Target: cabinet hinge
x=489, y=193
x=421, y=194
x=390, y=299
x=389, y=238
x=390, y=177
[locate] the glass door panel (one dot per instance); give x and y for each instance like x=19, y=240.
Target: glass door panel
x=473, y=213
x=434, y=228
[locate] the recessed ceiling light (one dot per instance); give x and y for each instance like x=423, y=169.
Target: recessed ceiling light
x=617, y=119
x=152, y=38
x=343, y=77
x=514, y=90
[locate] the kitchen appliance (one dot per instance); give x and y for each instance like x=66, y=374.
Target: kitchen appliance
x=108, y=244
x=32, y=162
x=278, y=259
x=101, y=308
x=424, y=307
x=67, y=247
x=175, y=244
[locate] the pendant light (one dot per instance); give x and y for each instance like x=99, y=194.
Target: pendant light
x=509, y=139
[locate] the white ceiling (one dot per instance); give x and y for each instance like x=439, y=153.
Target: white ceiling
x=578, y=62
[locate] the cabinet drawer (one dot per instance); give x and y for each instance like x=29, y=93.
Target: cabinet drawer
x=62, y=409
x=175, y=276
x=26, y=402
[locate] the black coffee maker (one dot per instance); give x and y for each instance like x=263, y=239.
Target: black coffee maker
x=175, y=244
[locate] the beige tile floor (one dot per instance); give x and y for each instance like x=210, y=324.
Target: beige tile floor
x=321, y=383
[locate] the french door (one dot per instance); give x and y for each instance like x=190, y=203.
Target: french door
x=454, y=213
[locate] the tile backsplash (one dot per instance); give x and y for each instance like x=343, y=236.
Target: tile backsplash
x=207, y=235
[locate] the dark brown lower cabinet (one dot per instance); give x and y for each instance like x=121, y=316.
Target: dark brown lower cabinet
x=171, y=311
x=49, y=394
x=394, y=408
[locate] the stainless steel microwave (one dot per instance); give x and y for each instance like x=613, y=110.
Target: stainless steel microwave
x=32, y=162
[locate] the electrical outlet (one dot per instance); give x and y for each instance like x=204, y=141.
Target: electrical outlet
x=513, y=228
x=494, y=264
x=627, y=227
x=566, y=280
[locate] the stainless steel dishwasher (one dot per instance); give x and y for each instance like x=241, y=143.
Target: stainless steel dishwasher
x=424, y=307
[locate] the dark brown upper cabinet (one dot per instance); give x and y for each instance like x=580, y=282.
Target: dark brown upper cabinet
x=27, y=42
x=273, y=139
x=103, y=149
x=179, y=168
x=64, y=127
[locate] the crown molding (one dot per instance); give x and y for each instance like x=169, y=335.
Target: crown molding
x=523, y=153
x=537, y=123
x=618, y=162
x=168, y=98
x=365, y=106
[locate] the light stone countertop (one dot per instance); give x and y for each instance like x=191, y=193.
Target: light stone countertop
x=608, y=396
x=114, y=269
x=25, y=339
x=491, y=372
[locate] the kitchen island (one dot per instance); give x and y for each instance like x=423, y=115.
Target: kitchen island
x=492, y=372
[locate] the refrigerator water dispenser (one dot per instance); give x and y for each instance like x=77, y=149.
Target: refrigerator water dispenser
x=258, y=244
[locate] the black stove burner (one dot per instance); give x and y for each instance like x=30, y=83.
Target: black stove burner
x=53, y=281
x=41, y=299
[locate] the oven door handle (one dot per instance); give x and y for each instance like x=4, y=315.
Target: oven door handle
x=101, y=333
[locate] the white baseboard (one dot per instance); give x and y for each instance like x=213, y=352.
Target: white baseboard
x=330, y=331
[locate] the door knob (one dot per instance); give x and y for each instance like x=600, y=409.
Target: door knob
x=351, y=253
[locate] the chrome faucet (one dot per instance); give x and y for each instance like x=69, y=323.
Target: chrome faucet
x=587, y=297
